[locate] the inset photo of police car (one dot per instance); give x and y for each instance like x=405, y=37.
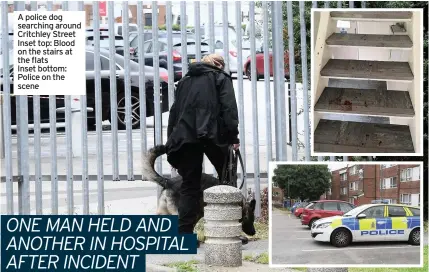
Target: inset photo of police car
x=346, y=213
x=370, y=223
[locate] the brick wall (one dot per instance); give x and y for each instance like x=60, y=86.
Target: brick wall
x=335, y=185
x=370, y=184
x=277, y=195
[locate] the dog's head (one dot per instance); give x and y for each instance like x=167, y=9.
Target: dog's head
x=248, y=217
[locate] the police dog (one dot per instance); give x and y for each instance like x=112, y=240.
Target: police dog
x=169, y=201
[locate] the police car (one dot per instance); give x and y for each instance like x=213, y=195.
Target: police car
x=371, y=222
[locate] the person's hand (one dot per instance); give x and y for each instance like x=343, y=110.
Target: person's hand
x=236, y=146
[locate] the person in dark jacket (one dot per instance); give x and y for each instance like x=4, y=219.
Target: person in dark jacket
x=203, y=120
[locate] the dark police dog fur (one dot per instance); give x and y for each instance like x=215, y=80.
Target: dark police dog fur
x=169, y=201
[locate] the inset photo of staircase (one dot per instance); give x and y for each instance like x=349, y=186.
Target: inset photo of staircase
x=367, y=82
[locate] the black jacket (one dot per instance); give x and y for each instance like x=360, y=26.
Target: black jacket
x=204, y=109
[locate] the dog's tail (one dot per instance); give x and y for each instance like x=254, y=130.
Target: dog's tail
x=148, y=165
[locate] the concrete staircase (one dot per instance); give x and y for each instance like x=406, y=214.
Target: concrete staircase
x=368, y=92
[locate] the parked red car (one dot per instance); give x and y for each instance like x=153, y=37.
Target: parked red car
x=260, y=65
x=324, y=208
x=298, y=211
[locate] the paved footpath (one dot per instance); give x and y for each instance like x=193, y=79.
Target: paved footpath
x=253, y=248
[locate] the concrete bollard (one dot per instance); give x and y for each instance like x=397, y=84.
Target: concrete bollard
x=327, y=269
x=222, y=227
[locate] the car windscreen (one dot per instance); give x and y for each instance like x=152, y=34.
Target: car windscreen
x=309, y=206
x=105, y=37
x=134, y=66
x=415, y=211
x=106, y=43
x=120, y=60
x=132, y=28
x=192, y=47
x=356, y=211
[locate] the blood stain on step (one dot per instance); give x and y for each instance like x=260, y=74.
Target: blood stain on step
x=347, y=105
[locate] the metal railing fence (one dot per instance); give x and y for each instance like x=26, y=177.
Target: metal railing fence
x=33, y=158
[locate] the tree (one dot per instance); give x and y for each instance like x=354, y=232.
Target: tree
x=303, y=181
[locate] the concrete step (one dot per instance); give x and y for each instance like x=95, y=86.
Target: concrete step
x=363, y=40
x=365, y=102
x=364, y=69
x=356, y=137
x=390, y=16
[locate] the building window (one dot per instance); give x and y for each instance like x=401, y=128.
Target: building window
x=344, y=190
x=393, y=182
x=330, y=191
x=406, y=199
x=343, y=177
x=406, y=174
x=387, y=165
x=148, y=19
x=351, y=200
x=353, y=186
x=389, y=183
x=353, y=170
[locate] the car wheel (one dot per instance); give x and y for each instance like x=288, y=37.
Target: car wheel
x=135, y=111
x=312, y=221
x=415, y=237
x=248, y=73
x=341, y=238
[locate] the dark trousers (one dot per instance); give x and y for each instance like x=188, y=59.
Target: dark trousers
x=189, y=166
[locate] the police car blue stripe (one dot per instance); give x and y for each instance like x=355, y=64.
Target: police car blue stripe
x=413, y=222
x=388, y=224
x=351, y=223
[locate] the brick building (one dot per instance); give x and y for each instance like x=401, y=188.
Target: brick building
x=360, y=184
x=147, y=13
x=277, y=195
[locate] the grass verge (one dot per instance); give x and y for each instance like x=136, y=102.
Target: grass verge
x=261, y=232
x=404, y=269
x=283, y=209
x=189, y=266
x=260, y=259
x=425, y=226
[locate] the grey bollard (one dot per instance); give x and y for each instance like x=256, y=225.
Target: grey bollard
x=222, y=228
x=327, y=269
